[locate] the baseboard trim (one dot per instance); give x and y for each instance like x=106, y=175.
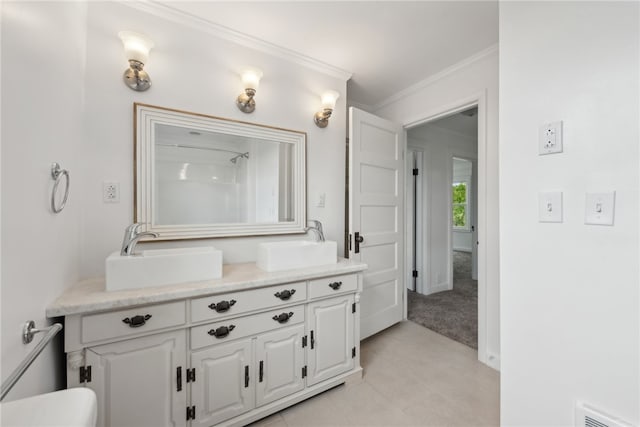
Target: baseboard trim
x=493, y=361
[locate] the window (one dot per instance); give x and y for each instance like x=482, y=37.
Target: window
x=460, y=205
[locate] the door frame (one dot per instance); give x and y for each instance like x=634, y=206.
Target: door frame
x=478, y=99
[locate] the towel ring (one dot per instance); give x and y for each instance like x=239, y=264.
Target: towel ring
x=57, y=173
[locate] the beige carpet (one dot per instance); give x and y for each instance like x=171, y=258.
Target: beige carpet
x=454, y=313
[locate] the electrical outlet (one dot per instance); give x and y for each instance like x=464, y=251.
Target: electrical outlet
x=111, y=192
x=550, y=138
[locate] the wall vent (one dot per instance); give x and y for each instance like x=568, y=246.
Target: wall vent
x=587, y=416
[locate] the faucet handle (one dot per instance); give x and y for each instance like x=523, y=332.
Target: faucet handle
x=317, y=224
x=134, y=228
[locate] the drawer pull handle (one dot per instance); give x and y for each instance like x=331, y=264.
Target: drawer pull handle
x=222, y=331
x=222, y=306
x=283, y=317
x=335, y=285
x=285, y=295
x=137, y=321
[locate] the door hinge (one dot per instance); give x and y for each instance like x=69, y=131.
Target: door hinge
x=353, y=352
x=350, y=235
x=191, y=413
x=191, y=375
x=304, y=341
x=353, y=307
x=415, y=171
x=304, y=371
x=179, y=378
x=85, y=374
x=415, y=273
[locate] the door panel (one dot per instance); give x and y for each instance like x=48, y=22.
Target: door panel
x=220, y=391
x=330, y=324
x=281, y=356
x=135, y=381
x=376, y=211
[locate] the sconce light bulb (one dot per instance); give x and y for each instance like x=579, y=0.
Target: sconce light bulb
x=329, y=99
x=136, y=46
x=251, y=78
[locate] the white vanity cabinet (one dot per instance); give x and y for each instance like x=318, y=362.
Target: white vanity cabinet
x=219, y=356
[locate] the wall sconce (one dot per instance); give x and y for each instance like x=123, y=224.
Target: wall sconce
x=136, y=47
x=250, y=82
x=329, y=98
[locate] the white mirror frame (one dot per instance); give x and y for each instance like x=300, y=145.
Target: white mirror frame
x=145, y=119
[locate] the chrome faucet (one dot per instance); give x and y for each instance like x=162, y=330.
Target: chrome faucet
x=317, y=229
x=131, y=237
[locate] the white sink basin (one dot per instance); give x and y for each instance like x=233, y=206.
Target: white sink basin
x=75, y=407
x=159, y=267
x=288, y=255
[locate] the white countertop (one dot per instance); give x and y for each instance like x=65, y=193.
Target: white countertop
x=90, y=295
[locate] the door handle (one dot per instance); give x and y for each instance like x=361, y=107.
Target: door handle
x=358, y=239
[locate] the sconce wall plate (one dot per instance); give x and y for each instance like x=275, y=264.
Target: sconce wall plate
x=245, y=101
x=135, y=77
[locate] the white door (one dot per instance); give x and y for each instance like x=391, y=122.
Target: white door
x=331, y=343
x=224, y=385
x=376, y=216
x=136, y=381
x=280, y=359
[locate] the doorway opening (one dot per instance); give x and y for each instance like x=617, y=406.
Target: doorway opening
x=442, y=201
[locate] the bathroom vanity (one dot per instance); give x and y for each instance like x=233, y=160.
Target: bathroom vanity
x=227, y=351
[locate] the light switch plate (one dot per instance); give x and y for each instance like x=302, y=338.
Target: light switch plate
x=550, y=138
x=599, y=208
x=550, y=206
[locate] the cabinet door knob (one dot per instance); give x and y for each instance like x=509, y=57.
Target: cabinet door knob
x=222, y=331
x=285, y=295
x=335, y=285
x=283, y=317
x=222, y=306
x=136, y=321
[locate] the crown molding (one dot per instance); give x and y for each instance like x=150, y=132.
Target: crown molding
x=222, y=32
x=438, y=76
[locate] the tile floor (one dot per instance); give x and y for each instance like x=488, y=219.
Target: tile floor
x=412, y=377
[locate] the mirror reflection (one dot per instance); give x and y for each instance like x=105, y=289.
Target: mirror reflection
x=201, y=176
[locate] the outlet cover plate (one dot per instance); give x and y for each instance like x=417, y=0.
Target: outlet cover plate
x=111, y=192
x=600, y=208
x=550, y=206
x=550, y=138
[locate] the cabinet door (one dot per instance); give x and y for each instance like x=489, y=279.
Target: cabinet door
x=224, y=385
x=280, y=359
x=136, y=382
x=330, y=324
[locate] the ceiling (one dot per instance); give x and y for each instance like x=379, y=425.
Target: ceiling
x=387, y=45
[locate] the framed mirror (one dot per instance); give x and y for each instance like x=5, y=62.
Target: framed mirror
x=199, y=176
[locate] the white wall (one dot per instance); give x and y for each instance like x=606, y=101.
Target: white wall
x=439, y=147
x=195, y=71
x=476, y=77
x=570, y=296
x=42, y=99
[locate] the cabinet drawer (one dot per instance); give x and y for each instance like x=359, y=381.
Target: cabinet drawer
x=223, y=305
x=122, y=323
x=334, y=285
x=202, y=336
